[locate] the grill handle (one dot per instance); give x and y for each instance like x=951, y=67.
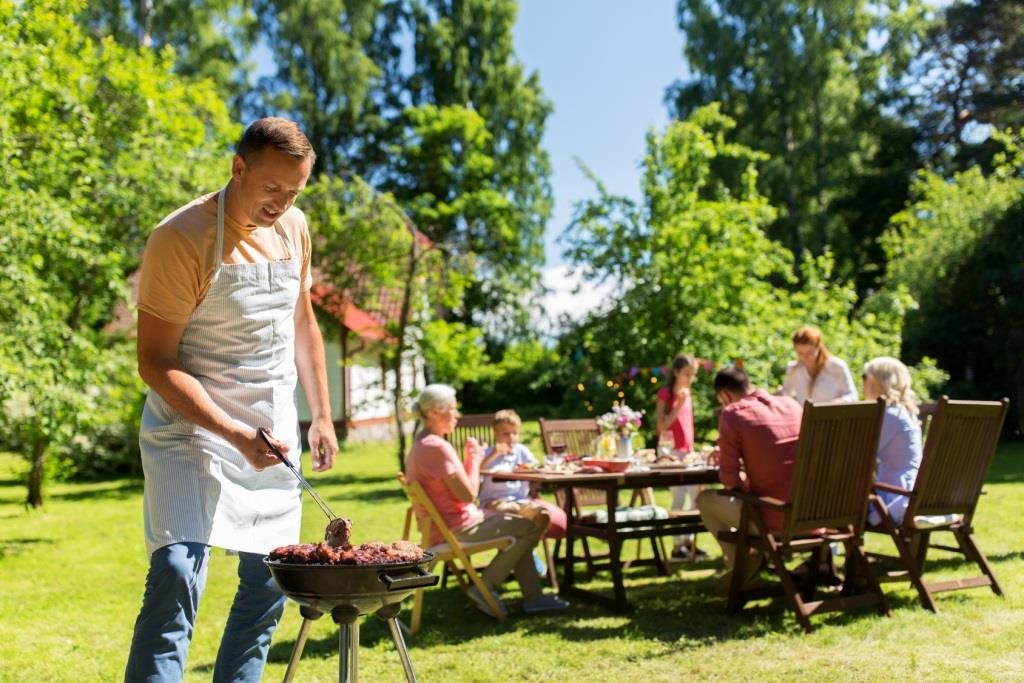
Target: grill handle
x=419, y=579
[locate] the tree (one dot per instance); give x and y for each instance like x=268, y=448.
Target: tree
x=695, y=271
x=445, y=178
x=211, y=38
x=957, y=248
x=971, y=70
x=464, y=57
x=336, y=73
x=386, y=260
x=343, y=72
x=805, y=84
x=100, y=140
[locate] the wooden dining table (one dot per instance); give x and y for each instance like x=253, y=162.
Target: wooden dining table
x=613, y=532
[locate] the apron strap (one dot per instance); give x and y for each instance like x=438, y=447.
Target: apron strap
x=218, y=249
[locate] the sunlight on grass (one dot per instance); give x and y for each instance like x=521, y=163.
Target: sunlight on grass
x=72, y=577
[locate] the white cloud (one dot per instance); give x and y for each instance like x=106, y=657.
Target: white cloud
x=567, y=296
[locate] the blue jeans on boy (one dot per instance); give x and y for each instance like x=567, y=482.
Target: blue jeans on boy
x=163, y=630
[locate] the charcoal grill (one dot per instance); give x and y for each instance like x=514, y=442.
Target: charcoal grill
x=347, y=592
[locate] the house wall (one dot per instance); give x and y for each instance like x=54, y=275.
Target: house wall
x=372, y=414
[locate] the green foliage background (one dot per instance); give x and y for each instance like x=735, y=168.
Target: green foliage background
x=99, y=141
x=821, y=172
x=695, y=272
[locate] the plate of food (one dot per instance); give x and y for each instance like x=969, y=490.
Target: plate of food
x=607, y=465
x=666, y=464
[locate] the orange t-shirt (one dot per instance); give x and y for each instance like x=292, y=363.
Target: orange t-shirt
x=178, y=263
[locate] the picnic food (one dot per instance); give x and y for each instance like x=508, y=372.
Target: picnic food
x=367, y=553
x=337, y=549
x=338, y=533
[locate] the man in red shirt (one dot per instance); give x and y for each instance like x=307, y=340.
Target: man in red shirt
x=757, y=438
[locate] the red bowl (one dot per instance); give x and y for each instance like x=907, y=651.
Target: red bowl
x=608, y=465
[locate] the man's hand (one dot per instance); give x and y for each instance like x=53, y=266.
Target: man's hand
x=713, y=458
x=255, y=450
x=323, y=444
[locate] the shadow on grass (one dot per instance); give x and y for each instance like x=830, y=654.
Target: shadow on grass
x=375, y=495
x=680, y=612
x=16, y=546
x=115, y=490
x=331, y=479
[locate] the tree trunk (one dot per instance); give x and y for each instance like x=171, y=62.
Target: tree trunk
x=35, y=475
x=403, y=324
x=145, y=24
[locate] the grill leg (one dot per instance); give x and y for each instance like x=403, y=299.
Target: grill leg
x=308, y=616
x=297, y=650
x=344, y=640
x=403, y=652
x=347, y=619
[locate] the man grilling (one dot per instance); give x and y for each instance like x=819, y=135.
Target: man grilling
x=226, y=327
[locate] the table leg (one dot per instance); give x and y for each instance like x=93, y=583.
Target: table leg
x=569, y=561
x=615, y=550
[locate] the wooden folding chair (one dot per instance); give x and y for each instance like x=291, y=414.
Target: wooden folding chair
x=455, y=554
x=957, y=454
x=576, y=436
x=828, y=501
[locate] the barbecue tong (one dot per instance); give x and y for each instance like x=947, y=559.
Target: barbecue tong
x=302, y=480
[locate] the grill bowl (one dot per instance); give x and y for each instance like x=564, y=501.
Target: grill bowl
x=365, y=587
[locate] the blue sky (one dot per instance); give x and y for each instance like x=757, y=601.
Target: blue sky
x=604, y=64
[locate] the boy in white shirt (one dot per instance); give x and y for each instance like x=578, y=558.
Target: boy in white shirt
x=514, y=496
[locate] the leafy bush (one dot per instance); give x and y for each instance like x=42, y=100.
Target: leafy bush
x=525, y=379
x=957, y=249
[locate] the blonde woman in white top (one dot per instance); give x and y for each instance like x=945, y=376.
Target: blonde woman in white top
x=816, y=374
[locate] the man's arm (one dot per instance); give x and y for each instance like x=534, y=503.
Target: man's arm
x=159, y=367
x=312, y=368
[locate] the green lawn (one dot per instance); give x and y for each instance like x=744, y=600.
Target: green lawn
x=72, y=577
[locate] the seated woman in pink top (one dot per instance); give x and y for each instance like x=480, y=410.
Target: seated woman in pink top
x=452, y=486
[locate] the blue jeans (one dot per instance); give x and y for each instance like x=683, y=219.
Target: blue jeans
x=163, y=630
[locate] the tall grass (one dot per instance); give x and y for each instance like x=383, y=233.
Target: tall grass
x=72, y=577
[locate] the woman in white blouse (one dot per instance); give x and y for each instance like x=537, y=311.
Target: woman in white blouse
x=816, y=374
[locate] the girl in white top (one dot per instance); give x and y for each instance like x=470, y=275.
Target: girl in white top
x=816, y=374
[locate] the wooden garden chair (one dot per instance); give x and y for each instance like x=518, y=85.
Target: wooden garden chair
x=455, y=554
x=576, y=436
x=831, y=482
x=480, y=426
x=957, y=454
x=925, y=413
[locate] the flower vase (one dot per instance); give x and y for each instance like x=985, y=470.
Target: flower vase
x=624, y=447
